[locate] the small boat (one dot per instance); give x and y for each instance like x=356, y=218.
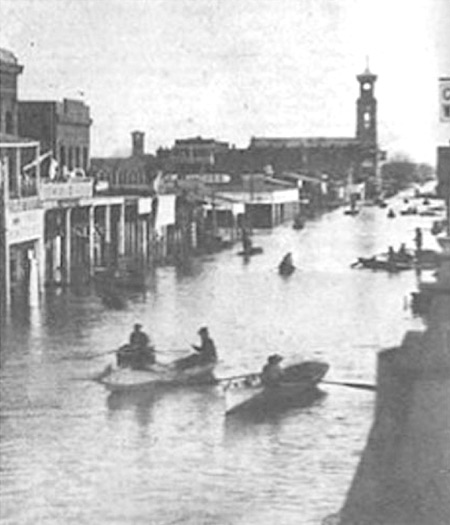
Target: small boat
x=409, y=211
x=249, y=392
x=255, y=250
x=125, y=379
x=286, y=269
x=374, y=263
x=351, y=211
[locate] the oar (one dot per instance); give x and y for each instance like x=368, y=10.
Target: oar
x=362, y=386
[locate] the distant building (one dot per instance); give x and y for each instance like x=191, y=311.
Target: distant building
x=192, y=155
x=61, y=127
x=353, y=158
x=9, y=71
x=135, y=174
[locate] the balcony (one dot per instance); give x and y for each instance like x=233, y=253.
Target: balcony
x=66, y=190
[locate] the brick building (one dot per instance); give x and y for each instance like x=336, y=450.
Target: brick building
x=9, y=71
x=62, y=127
x=192, y=155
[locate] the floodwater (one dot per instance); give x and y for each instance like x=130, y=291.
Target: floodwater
x=71, y=453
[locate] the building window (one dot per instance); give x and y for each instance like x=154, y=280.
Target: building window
x=70, y=160
x=77, y=157
x=85, y=158
x=9, y=125
x=62, y=155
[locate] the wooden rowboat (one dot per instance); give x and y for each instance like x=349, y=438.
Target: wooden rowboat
x=249, y=392
x=125, y=379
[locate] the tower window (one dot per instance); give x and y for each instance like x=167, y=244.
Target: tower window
x=367, y=120
x=367, y=86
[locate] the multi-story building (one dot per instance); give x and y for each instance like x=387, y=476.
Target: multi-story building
x=192, y=155
x=63, y=128
x=339, y=158
x=21, y=213
x=10, y=69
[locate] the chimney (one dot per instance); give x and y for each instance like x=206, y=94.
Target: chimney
x=137, y=141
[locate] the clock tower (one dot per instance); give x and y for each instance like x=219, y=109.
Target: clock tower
x=366, y=109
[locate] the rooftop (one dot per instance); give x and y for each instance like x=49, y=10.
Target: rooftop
x=302, y=142
x=7, y=56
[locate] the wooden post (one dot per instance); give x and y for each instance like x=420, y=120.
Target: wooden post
x=91, y=240
x=68, y=246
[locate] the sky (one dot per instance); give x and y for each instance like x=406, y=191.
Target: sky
x=233, y=69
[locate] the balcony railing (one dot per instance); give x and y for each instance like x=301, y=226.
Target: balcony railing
x=71, y=189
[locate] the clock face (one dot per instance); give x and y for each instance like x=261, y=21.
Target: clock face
x=366, y=86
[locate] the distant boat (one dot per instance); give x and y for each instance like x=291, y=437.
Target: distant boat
x=255, y=250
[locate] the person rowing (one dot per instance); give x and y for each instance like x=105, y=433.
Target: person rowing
x=272, y=372
x=205, y=352
x=139, y=353
x=286, y=266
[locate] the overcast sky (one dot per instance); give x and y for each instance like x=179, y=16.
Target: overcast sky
x=233, y=69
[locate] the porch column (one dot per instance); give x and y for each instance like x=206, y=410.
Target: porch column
x=68, y=246
x=18, y=181
x=40, y=256
x=4, y=243
x=144, y=231
x=122, y=230
x=91, y=240
x=108, y=224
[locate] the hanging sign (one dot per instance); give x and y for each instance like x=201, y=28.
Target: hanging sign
x=444, y=99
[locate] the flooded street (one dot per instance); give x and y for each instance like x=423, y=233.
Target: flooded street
x=74, y=454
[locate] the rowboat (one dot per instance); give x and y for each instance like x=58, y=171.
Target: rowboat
x=256, y=250
x=249, y=392
x=125, y=379
x=286, y=269
x=374, y=263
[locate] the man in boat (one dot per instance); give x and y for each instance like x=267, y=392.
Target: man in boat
x=246, y=241
x=418, y=240
x=287, y=264
x=206, y=352
x=272, y=371
x=139, y=353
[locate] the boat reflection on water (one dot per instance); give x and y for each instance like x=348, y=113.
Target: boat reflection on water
x=272, y=411
x=139, y=403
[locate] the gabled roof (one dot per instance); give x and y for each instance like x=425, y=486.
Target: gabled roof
x=108, y=167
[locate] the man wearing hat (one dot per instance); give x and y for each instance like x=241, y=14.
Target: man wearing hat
x=139, y=353
x=206, y=352
x=272, y=371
